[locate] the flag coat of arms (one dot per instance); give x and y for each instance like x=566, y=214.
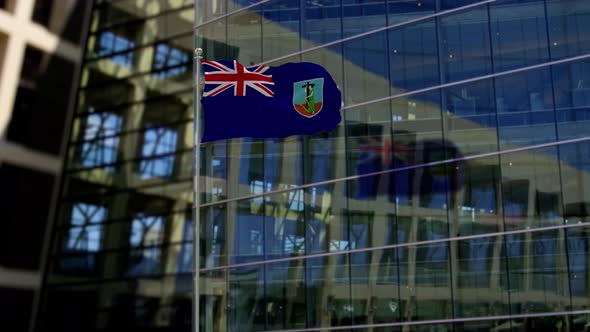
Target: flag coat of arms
x=262, y=101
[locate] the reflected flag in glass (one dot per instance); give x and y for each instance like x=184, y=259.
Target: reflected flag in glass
x=262, y=101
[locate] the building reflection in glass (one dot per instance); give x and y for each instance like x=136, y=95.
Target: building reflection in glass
x=417, y=211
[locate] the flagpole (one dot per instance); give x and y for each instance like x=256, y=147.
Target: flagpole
x=196, y=192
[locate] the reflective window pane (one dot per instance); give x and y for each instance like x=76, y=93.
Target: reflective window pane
x=243, y=32
x=568, y=27
x=323, y=22
x=465, y=45
x=413, y=57
x=400, y=11
x=572, y=98
x=366, y=61
x=361, y=16
x=531, y=189
x=525, y=109
x=470, y=118
x=519, y=34
x=280, y=28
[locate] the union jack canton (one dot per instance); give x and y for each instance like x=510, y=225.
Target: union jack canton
x=238, y=77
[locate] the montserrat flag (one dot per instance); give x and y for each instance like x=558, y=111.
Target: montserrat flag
x=262, y=101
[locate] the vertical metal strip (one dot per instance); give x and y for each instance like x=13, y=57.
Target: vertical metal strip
x=196, y=193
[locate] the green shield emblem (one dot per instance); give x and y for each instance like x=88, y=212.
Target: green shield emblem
x=308, y=96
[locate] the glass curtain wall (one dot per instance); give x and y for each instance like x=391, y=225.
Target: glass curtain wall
x=453, y=196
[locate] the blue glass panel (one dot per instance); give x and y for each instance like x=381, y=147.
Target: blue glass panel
x=470, y=117
x=369, y=149
x=578, y=250
x=519, y=34
x=465, y=45
x=403, y=10
x=361, y=16
x=272, y=163
x=450, y=4
x=366, y=68
x=571, y=83
x=525, y=108
x=322, y=22
x=238, y=4
x=413, y=57
x=569, y=27
x=248, y=239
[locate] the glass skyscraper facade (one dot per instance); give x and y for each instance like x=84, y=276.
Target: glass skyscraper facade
x=453, y=196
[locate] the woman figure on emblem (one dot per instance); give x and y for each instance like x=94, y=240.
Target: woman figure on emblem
x=309, y=97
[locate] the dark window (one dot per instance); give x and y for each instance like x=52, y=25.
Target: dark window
x=26, y=94
x=15, y=306
x=24, y=202
x=41, y=102
x=42, y=11
x=73, y=28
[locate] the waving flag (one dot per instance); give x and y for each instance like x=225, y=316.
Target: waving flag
x=262, y=101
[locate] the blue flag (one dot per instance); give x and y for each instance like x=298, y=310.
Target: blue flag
x=262, y=101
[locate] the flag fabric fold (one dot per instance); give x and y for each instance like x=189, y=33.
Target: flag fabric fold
x=264, y=102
